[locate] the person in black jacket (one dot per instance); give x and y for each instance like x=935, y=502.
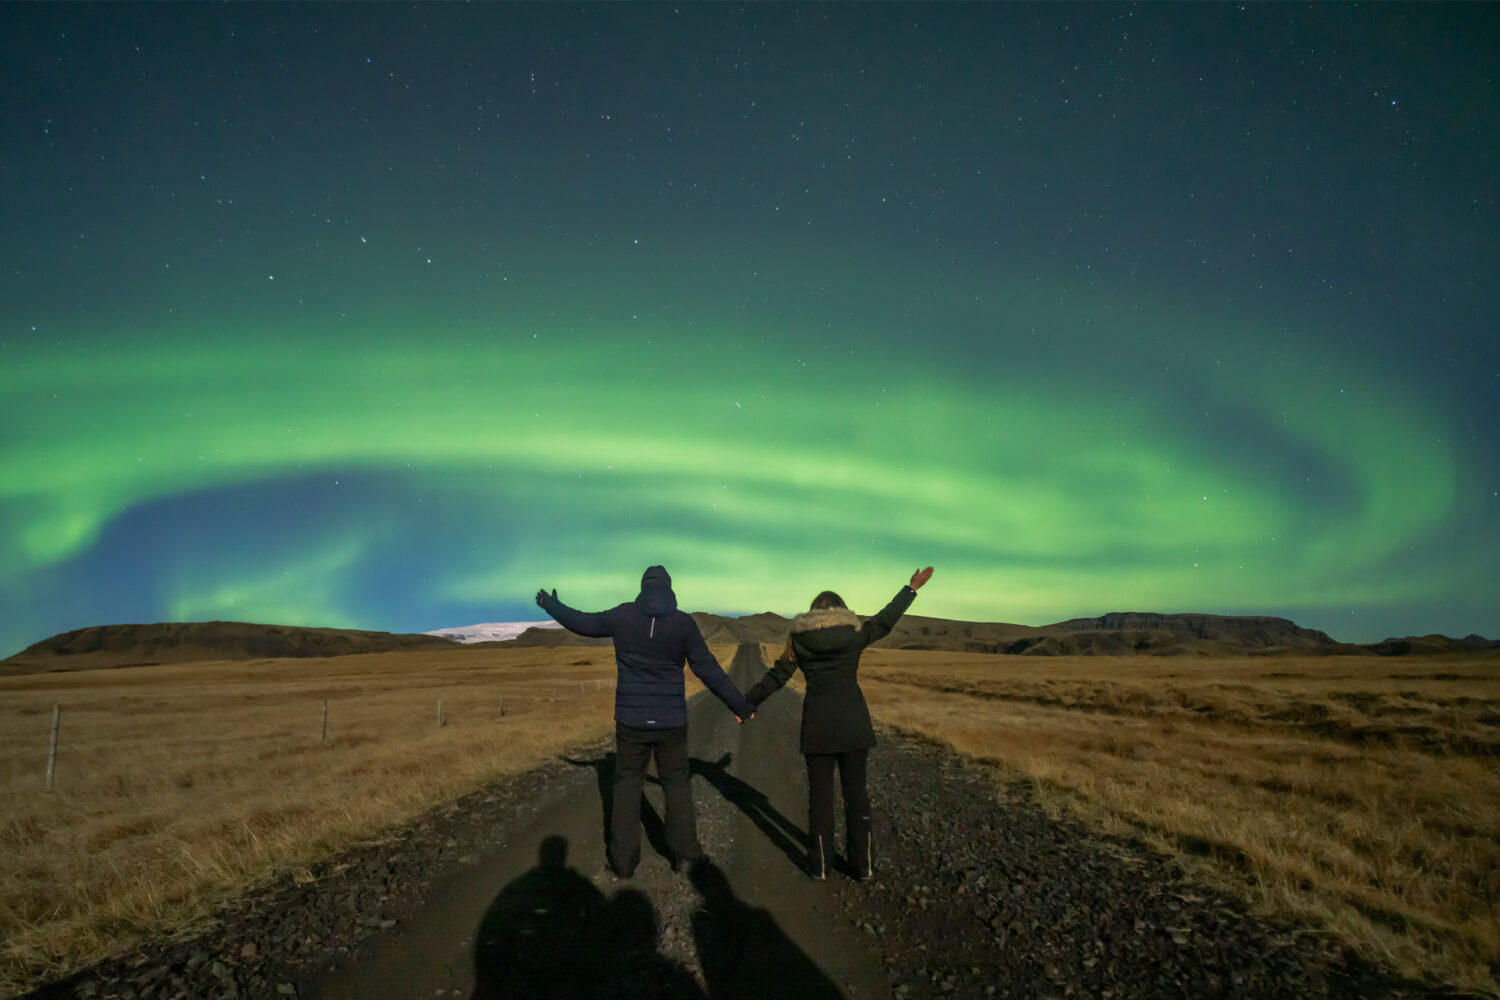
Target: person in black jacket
x=652, y=639
x=836, y=732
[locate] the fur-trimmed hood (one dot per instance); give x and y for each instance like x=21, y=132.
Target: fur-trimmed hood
x=809, y=621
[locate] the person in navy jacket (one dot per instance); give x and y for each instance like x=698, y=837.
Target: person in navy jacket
x=652, y=641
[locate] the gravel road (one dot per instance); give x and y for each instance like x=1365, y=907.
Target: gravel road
x=977, y=894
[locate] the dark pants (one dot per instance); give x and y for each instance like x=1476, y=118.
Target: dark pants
x=857, y=825
x=633, y=751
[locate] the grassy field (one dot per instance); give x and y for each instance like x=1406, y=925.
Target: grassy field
x=1361, y=795
x=177, y=786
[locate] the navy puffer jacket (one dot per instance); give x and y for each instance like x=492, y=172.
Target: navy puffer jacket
x=652, y=641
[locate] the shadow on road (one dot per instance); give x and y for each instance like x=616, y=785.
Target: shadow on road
x=604, y=771
x=789, y=838
x=551, y=935
x=744, y=953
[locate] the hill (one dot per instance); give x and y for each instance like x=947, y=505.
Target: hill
x=1130, y=632
x=190, y=642
x=1117, y=634
x=1114, y=634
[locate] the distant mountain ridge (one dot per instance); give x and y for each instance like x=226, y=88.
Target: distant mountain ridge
x=1120, y=633
x=1114, y=634
x=193, y=642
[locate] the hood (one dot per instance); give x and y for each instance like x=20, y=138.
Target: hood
x=656, y=597
x=808, y=621
x=826, y=630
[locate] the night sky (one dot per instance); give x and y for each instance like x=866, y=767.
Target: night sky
x=384, y=317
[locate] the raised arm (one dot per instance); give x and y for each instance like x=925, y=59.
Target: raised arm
x=591, y=623
x=786, y=665
x=879, y=626
x=702, y=662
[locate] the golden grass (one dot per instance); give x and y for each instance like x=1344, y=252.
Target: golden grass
x=179, y=786
x=1361, y=795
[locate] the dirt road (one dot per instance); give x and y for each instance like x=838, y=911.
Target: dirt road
x=748, y=921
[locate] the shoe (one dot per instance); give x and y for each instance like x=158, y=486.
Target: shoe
x=609, y=872
x=682, y=865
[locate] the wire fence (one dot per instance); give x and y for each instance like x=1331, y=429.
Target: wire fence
x=61, y=748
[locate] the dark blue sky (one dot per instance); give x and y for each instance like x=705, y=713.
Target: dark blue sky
x=1097, y=307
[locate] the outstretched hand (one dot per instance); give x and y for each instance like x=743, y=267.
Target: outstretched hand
x=920, y=577
x=541, y=597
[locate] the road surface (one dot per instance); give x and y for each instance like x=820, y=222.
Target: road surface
x=540, y=916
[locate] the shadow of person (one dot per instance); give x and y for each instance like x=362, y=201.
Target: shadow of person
x=744, y=953
x=791, y=839
x=636, y=971
x=651, y=821
x=540, y=936
x=551, y=935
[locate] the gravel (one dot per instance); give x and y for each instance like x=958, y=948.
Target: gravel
x=978, y=897
x=973, y=897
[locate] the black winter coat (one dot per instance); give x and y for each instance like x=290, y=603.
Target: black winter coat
x=827, y=644
x=652, y=639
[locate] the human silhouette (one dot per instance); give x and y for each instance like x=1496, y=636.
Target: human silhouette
x=744, y=953
x=541, y=932
x=825, y=644
x=551, y=935
x=652, y=639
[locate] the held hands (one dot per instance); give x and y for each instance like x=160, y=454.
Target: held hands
x=920, y=577
x=541, y=597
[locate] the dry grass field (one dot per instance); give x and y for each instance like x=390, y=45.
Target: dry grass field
x=1361, y=795
x=177, y=786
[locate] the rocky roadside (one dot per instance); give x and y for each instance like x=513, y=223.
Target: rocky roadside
x=973, y=897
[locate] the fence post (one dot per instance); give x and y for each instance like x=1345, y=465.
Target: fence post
x=52, y=745
x=325, y=720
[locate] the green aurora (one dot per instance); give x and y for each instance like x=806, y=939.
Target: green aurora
x=764, y=472
x=304, y=322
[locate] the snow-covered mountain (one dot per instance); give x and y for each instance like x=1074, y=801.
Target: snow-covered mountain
x=491, y=631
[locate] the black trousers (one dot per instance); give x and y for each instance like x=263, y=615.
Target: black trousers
x=857, y=824
x=634, y=749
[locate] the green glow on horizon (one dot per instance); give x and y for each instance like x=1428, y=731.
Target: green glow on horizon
x=756, y=475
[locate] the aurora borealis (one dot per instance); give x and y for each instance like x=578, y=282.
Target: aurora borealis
x=385, y=316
